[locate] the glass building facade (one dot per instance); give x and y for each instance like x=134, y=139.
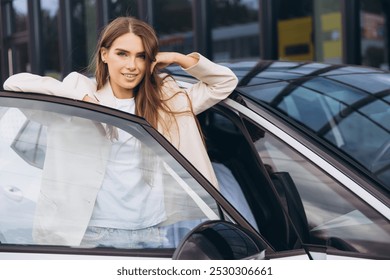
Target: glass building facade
x=55, y=37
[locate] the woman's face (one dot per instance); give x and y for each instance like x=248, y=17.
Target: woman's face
x=126, y=64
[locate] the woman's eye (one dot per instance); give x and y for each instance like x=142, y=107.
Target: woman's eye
x=142, y=55
x=121, y=53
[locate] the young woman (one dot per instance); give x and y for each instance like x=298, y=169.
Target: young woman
x=127, y=61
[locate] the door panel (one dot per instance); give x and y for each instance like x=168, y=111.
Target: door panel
x=57, y=162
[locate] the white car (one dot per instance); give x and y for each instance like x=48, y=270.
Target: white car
x=301, y=152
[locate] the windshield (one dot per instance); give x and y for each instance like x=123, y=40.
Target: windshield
x=349, y=111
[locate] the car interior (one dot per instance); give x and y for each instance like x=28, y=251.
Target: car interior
x=270, y=195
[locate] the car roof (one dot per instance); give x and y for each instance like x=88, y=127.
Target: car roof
x=268, y=71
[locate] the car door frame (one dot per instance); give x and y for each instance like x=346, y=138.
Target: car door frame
x=227, y=211
x=355, y=183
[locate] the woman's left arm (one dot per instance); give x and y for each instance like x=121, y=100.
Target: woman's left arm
x=216, y=82
x=164, y=59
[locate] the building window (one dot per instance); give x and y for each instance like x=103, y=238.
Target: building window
x=295, y=30
x=117, y=8
x=20, y=59
x=90, y=29
x=16, y=42
x=328, y=31
x=49, y=16
x=373, y=33
x=172, y=20
x=19, y=16
x=235, y=29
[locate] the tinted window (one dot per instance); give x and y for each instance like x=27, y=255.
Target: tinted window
x=342, y=112
x=368, y=82
x=323, y=210
x=335, y=216
x=44, y=186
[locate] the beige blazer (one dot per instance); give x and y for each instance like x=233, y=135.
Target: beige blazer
x=56, y=222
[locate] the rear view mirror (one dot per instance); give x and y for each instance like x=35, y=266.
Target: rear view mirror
x=219, y=240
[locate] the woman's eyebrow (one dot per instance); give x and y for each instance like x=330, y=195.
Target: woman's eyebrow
x=126, y=51
x=121, y=50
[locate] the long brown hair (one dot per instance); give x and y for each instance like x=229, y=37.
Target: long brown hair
x=149, y=99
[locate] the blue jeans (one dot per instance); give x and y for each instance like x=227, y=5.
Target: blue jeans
x=152, y=237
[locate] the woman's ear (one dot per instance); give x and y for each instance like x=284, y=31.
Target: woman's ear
x=103, y=54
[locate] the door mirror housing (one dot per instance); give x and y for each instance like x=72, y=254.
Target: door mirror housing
x=219, y=240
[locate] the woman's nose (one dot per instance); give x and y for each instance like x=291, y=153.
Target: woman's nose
x=131, y=63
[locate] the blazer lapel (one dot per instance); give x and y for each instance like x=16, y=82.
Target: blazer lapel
x=105, y=96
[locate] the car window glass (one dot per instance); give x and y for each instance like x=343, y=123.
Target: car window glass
x=339, y=92
x=377, y=82
x=267, y=93
x=243, y=181
x=63, y=172
x=222, y=138
x=377, y=111
x=306, y=69
x=335, y=216
x=352, y=70
x=274, y=76
x=352, y=120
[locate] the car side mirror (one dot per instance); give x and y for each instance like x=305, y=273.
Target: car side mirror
x=219, y=240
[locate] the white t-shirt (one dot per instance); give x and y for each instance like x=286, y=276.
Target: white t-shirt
x=231, y=190
x=125, y=200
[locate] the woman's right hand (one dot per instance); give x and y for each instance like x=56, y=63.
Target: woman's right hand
x=90, y=99
x=164, y=59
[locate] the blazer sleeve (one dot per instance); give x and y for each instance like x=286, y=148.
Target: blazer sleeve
x=74, y=86
x=216, y=82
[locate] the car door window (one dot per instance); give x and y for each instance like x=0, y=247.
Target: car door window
x=243, y=179
x=333, y=214
x=59, y=169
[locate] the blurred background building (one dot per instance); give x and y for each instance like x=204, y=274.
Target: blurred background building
x=55, y=37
